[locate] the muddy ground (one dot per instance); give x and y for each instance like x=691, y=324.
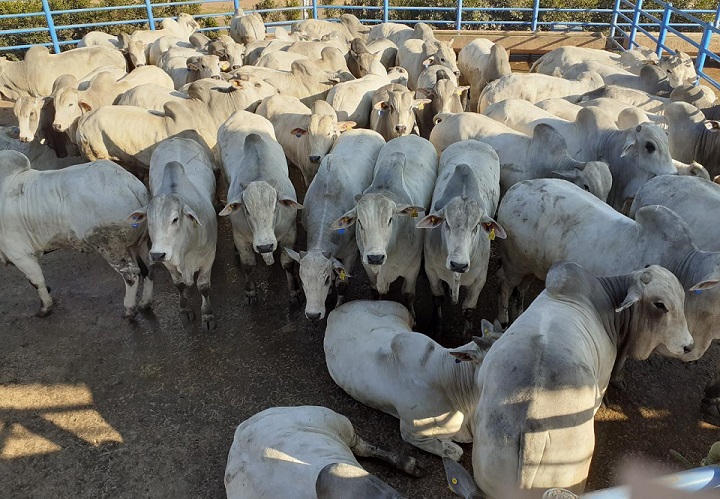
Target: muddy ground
x=94, y=406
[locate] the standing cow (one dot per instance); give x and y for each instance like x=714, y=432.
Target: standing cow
x=181, y=219
x=82, y=207
x=393, y=111
x=343, y=175
x=457, y=250
x=261, y=199
x=390, y=245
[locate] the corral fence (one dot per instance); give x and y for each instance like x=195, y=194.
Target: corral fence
x=625, y=23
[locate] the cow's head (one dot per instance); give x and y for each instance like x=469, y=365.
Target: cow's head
x=318, y=270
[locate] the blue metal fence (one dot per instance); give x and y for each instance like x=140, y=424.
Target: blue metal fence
x=623, y=22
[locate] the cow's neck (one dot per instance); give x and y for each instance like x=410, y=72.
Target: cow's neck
x=617, y=325
x=459, y=381
x=694, y=266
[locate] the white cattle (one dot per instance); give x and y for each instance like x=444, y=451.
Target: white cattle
x=651, y=79
x=352, y=100
x=436, y=84
x=700, y=97
x=373, y=354
x=157, y=48
x=182, y=28
x=181, y=220
x=40, y=155
x=393, y=111
x=306, y=135
x=130, y=134
x=390, y=245
x=536, y=87
x=134, y=51
x=679, y=68
x=150, y=96
x=39, y=213
x=227, y=50
x=344, y=174
x=261, y=200
x=634, y=156
x=697, y=202
x=692, y=137
x=34, y=76
x=400, y=33
x=306, y=452
x=247, y=28
x=457, y=248
x=480, y=62
x=330, y=60
x=548, y=221
x=186, y=65
x=103, y=90
x=281, y=61
x=522, y=157
x=415, y=55
x=543, y=381
x=361, y=61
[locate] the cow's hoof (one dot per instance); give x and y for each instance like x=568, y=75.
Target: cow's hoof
x=130, y=313
x=187, y=316
x=208, y=322
x=44, y=311
x=145, y=307
x=618, y=384
x=710, y=410
x=252, y=299
x=411, y=466
x=452, y=450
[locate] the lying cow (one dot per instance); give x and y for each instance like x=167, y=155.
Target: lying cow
x=543, y=381
x=692, y=137
x=343, y=175
x=543, y=155
x=322, y=446
x=390, y=245
x=457, y=249
x=181, y=220
x=39, y=215
x=373, y=354
x=40, y=155
x=261, y=200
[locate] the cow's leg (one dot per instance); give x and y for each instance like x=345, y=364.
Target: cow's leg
x=507, y=282
x=437, y=446
x=28, y=265
x=517, y=306
x=203, y=283
x=147, y=273
x=711, y=400
x=125, y=265
x=408, y=289
x=183, y=287
x=147, y=292
x=400, y=461
x=247, y=260
x=468, y=307
x=438, y=296
x=288, y=264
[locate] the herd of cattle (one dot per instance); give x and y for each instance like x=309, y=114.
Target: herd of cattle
x=411, y=156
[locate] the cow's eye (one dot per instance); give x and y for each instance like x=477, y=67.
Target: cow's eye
x=175, y=220
x=661, y=306
x=327, y=280
x=650, y=147
x=389, y=222
x=586, y=187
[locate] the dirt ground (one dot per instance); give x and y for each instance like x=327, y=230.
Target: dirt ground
x=94, y=406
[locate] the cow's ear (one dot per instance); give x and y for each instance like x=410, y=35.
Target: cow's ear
x=420, y=103
x=344, y=126
x=461, y=90
x=425, y=92
x=193, y=63
x=191, y=215
x=380, y=106
x=85, y=106
x=138, y=216
x=629, y=144
x=492, y=228
x=345, y=221
x=430, y=222
x=706, y=284
x=293, y=254
x=339, y=269
x=712, y=125
x=289, y=203
x=299, y=132
x=231, y=207
x=224, y=65
x=633, y=296
x=460, y=481
x=409, y=210
x=468, y=354
x=429, y=61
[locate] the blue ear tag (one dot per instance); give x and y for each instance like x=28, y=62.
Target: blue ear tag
x=135, y=226
x=698, y=291
x=298, y=135
x=457, y=361
x=380, y=112
x=342, y=230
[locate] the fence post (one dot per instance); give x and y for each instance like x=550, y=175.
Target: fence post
x=151, y=18
x=386, y=8
x=663, y=29
x=458, y=15
x=636, y=20
x=315, y=9
x=613, y=20
x=702, y=52
x=535, y=15
x=51, y=26
x=236, y=5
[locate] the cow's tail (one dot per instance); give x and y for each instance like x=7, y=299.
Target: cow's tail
x=531, y=450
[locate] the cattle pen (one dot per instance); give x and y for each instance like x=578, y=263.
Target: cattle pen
x=92, y=405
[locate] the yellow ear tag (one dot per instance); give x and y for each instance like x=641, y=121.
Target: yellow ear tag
x=414, y=213
x=454, y=481
x=421, y=106
x=342, y=275
x=486, y=332
x=491, y=234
